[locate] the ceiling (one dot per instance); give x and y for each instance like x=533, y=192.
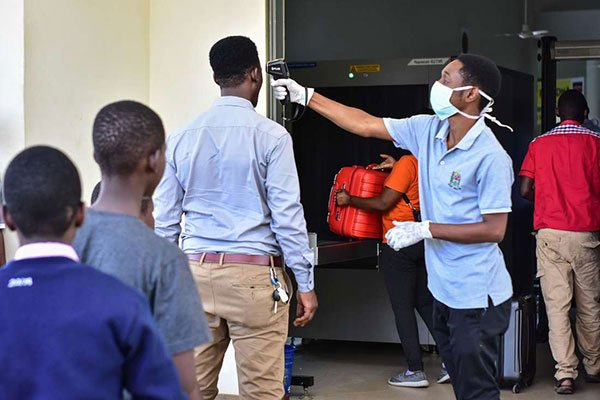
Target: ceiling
x=564, y=5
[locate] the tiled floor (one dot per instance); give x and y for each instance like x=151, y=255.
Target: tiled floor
x=349, y=371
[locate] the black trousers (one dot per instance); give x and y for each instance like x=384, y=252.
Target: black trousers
x=468, y=341
x=406, y=281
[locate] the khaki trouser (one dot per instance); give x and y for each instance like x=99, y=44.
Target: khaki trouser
x=238, y=302
x=569, y=264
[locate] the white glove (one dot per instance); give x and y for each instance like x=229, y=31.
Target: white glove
x=298, y=94
x=406, y=234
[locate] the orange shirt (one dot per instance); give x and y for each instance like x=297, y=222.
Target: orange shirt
x=404, y=179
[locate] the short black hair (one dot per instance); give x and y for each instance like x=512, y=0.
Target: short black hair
x=231, y=59
x=483, y=73
x=96, y=192
x=42, y=192
x=572, y=105
x=124, y=133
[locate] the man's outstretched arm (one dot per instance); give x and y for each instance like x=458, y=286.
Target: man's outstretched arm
x=407, y=133
x=348, y=118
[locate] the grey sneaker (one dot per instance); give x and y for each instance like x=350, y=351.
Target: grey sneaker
x=416, y=379
x=443, y=377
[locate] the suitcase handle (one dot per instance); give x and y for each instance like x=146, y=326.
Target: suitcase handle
x=518, y=327
x=332, y=206
x=333, y=202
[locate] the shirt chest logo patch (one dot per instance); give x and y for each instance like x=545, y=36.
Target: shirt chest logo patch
x=455, y=179
x=20, y=282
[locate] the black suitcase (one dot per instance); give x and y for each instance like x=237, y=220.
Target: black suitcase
x=517, y=356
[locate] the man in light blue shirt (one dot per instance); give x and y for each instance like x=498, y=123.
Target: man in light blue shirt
x=465, y=180
x=231, y=172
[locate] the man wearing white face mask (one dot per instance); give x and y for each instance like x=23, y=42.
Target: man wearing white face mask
x=465, y=188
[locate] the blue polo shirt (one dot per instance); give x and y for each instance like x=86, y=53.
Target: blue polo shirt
x=459, y=186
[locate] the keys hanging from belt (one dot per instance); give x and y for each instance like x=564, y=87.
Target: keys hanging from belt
x=279, y=293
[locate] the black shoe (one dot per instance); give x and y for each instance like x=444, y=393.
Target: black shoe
x=565, y=386
x=592, y=378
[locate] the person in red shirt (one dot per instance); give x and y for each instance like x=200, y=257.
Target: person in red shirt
x=404, y=271
x=561, y=174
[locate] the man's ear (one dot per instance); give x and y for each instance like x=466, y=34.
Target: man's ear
x=556, y=112
x=472, y=95
x=80, y=215
x=215, y=79
x=256, y=74
x=8, y=219
x=154, y=160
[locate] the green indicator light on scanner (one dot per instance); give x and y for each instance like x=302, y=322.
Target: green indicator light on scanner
x=350, y=75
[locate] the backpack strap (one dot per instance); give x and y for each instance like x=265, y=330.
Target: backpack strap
x=416, y=213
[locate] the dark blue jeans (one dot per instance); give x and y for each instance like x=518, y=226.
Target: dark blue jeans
x=468, y=341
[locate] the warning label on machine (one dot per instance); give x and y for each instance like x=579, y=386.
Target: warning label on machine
x=365, y=68
x=428, y=61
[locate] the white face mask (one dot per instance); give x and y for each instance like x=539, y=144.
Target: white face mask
x=440, y=102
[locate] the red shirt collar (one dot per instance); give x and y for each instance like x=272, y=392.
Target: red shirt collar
x=570, y=122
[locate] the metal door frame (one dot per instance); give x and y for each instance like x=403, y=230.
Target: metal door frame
x=275, y=49
x=551, y=52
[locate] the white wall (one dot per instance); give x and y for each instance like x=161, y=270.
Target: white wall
x=12, y=61
x=181, y=35
x=79, y=56
x=61, y=61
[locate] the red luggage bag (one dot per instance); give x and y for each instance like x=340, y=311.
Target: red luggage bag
x=350, y=221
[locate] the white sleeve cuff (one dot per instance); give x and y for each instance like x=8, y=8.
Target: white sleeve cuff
x=305, y=279
x=388, y=125
x=496, y=210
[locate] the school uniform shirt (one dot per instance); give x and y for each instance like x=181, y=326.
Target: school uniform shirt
x=565, y=166
x=68, y=332
x=459, y=186
x=404, y=178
